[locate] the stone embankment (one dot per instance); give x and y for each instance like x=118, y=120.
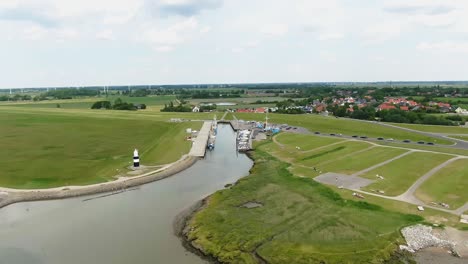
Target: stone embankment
x=10, y=196
x=421, y=236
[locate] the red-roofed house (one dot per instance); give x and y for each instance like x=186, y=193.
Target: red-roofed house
x=260, y=110
x=386, y=106
x=443, y=105
x=404, y=108
x=244, y=111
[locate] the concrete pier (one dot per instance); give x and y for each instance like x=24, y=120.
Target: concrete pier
x=199, y=145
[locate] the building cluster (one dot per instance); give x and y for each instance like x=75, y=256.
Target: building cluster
x=411, y=105
x=354, y=101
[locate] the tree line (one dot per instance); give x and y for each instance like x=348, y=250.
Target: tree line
x=118, y=105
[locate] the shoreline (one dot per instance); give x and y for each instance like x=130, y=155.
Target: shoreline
x=180, y=228
x=11, y=196
x=181, y=221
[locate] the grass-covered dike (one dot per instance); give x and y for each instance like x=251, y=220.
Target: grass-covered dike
x=301, y=221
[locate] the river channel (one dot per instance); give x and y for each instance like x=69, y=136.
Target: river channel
x=131, y=227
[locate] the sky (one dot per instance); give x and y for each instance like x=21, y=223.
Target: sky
x=47, y=43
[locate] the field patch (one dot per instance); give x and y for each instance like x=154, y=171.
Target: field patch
x=330, y=153
x=42, y=150
x=447, y=186
x=305, y=142
x=363, y=160
x=400, y=174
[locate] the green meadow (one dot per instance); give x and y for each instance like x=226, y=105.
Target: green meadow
x=400, y=174
x=301, y=221
x=447, y=185
x=42, y=149
x=86, y=103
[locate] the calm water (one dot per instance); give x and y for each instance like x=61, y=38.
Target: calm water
x=132, y=227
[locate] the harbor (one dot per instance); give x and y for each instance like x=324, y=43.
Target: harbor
x=141, y=220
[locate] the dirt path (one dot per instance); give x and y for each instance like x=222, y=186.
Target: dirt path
x=225, y=113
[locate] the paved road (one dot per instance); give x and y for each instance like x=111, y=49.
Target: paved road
x=381, y=164
x=458, y=142
x=225, y=113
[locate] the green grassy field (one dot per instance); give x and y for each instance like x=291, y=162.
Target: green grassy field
x=329, y=154
x=85, y=103
x=301, y=221
x=305, y=142
x=400, y=174
x=341, y=125
x=355, y=163
x=353, y=157
x=347, y=165
x=45, y=149
x=447, y=185
x=436, y=129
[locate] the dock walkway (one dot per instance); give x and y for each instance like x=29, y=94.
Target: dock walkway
x=199, y=145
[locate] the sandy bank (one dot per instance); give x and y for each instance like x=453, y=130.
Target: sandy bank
x=10, y=196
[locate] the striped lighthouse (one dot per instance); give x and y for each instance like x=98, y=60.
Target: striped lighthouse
x=136, y=159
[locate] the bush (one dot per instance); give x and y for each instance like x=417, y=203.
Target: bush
x=101, y=105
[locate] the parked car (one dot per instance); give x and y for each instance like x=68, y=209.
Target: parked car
x=407, y=141
x=363, y=136
x=420, y=142
x=380, y=138
x=316, y=132
x=430, y=143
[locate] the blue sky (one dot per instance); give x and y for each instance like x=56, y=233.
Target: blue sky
x=121, y=42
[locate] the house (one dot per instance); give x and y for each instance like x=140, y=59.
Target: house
x=461, y=111
x=196, y=109
x=385, y=106
x=320, y=108
x=404, y=108
x=260, y=110
x=446, y=105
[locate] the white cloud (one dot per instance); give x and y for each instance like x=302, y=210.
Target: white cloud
x=172, y=35
x=238, y=50
x=328, y=56
x=276, y=30
x=383, y=31
x=164, y=48
x=331, y=36
x=34, y=32
x=105, y=35
x=444, y=47
x=205, y=29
